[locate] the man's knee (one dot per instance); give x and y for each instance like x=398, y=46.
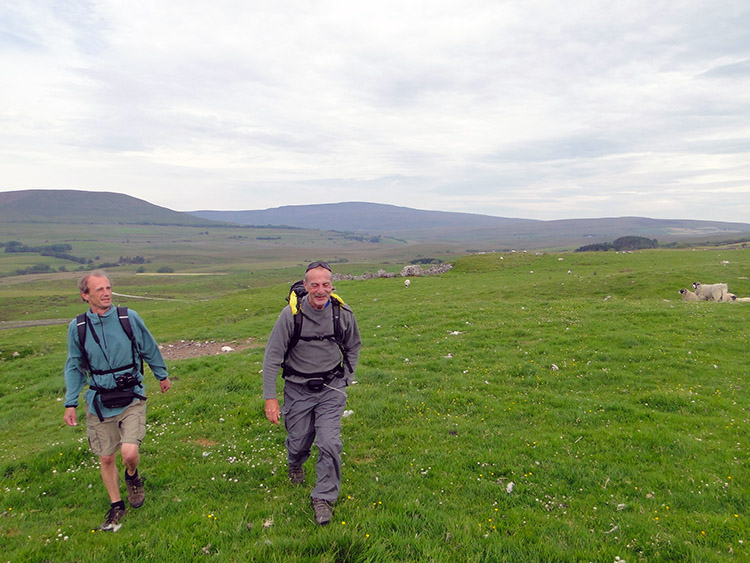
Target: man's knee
x=329, y=443
x=130, y=453
x=107, y=460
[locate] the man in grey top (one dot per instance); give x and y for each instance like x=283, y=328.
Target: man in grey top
x=318, y=361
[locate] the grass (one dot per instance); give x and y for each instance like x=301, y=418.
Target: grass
x=614, y=413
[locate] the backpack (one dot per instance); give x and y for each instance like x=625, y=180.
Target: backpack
x=122, y=315
x=295, y=299
x=120, y=396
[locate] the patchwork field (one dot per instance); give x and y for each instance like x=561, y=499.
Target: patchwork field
x=553, y=407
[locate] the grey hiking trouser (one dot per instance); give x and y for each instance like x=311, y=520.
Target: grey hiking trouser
x=316, y=416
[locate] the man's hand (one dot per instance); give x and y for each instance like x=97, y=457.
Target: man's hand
x=272, y=410
x=70, y=417
x=165, y=384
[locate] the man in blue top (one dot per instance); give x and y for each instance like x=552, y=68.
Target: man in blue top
x=115, y=400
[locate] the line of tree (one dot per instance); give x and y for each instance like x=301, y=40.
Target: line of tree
x=16, y=246
x=621, y=244
x=741, y=243
x=63, y=256
x=133, y=260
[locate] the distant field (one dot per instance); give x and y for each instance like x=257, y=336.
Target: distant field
x=203, y=250
x=182, y=274
x=522, y=408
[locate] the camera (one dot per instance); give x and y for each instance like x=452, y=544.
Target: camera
x=127, y=380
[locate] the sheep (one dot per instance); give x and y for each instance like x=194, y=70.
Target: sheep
x=688, y=295
x=710, y=292
x=407, y=282
x=727, y=297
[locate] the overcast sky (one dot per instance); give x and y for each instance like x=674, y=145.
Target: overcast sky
x=539, y=109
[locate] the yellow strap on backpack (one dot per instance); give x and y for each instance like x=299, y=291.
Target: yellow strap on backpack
x=295, y=307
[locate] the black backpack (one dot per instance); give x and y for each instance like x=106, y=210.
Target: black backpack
x=295, y=299
x=122, y=314
x=120, y=396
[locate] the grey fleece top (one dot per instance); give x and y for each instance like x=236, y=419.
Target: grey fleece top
x=310, y=356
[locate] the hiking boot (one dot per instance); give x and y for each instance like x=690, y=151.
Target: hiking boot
x=322, y=510
x=112, y=521
x=296, y=474
x=136, y=494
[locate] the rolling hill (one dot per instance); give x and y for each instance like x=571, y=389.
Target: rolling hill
x=481, y=230
x=465, y=231
x=74, y=206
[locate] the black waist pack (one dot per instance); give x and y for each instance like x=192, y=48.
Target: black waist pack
x=116, y=398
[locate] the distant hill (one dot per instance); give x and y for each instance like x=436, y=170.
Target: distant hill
x=75, y=206
x=482, y=230
x=360, y=217
x=461, y=231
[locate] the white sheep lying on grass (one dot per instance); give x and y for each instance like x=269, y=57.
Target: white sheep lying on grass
x=726, y=297
x=688, y=295
x=710, y=292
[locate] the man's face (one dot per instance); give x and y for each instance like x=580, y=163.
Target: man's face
x=318, y=286
x=99, y=296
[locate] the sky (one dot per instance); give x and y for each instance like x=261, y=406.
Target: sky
x=536, y=109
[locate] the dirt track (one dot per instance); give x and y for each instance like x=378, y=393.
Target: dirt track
x=171, y=351
x=23, y=324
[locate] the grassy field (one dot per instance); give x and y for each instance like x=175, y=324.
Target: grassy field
x=524, y=408
x=201, y=249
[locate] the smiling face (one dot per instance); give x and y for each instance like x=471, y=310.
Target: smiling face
x=318, y=286
x=98, y=294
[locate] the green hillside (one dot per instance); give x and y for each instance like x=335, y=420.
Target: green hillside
x=82, y=207
x=523, y=408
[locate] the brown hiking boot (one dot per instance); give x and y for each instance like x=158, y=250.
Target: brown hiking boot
x=112, y=520
x=136, y=494
x=296, y=474
x=322, y=510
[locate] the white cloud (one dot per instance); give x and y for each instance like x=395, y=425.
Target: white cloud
x=537, y=109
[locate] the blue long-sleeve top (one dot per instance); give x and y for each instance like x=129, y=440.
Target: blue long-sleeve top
x=115, y=351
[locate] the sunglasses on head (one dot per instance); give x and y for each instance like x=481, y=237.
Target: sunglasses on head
x=313, y=265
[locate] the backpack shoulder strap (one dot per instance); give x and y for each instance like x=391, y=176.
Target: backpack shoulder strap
x=122, y=315
x=81, y=325
x=338, y=335
x=336, y=314
x=297, y=331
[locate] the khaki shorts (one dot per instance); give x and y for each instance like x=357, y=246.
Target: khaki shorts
x=128, y=427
